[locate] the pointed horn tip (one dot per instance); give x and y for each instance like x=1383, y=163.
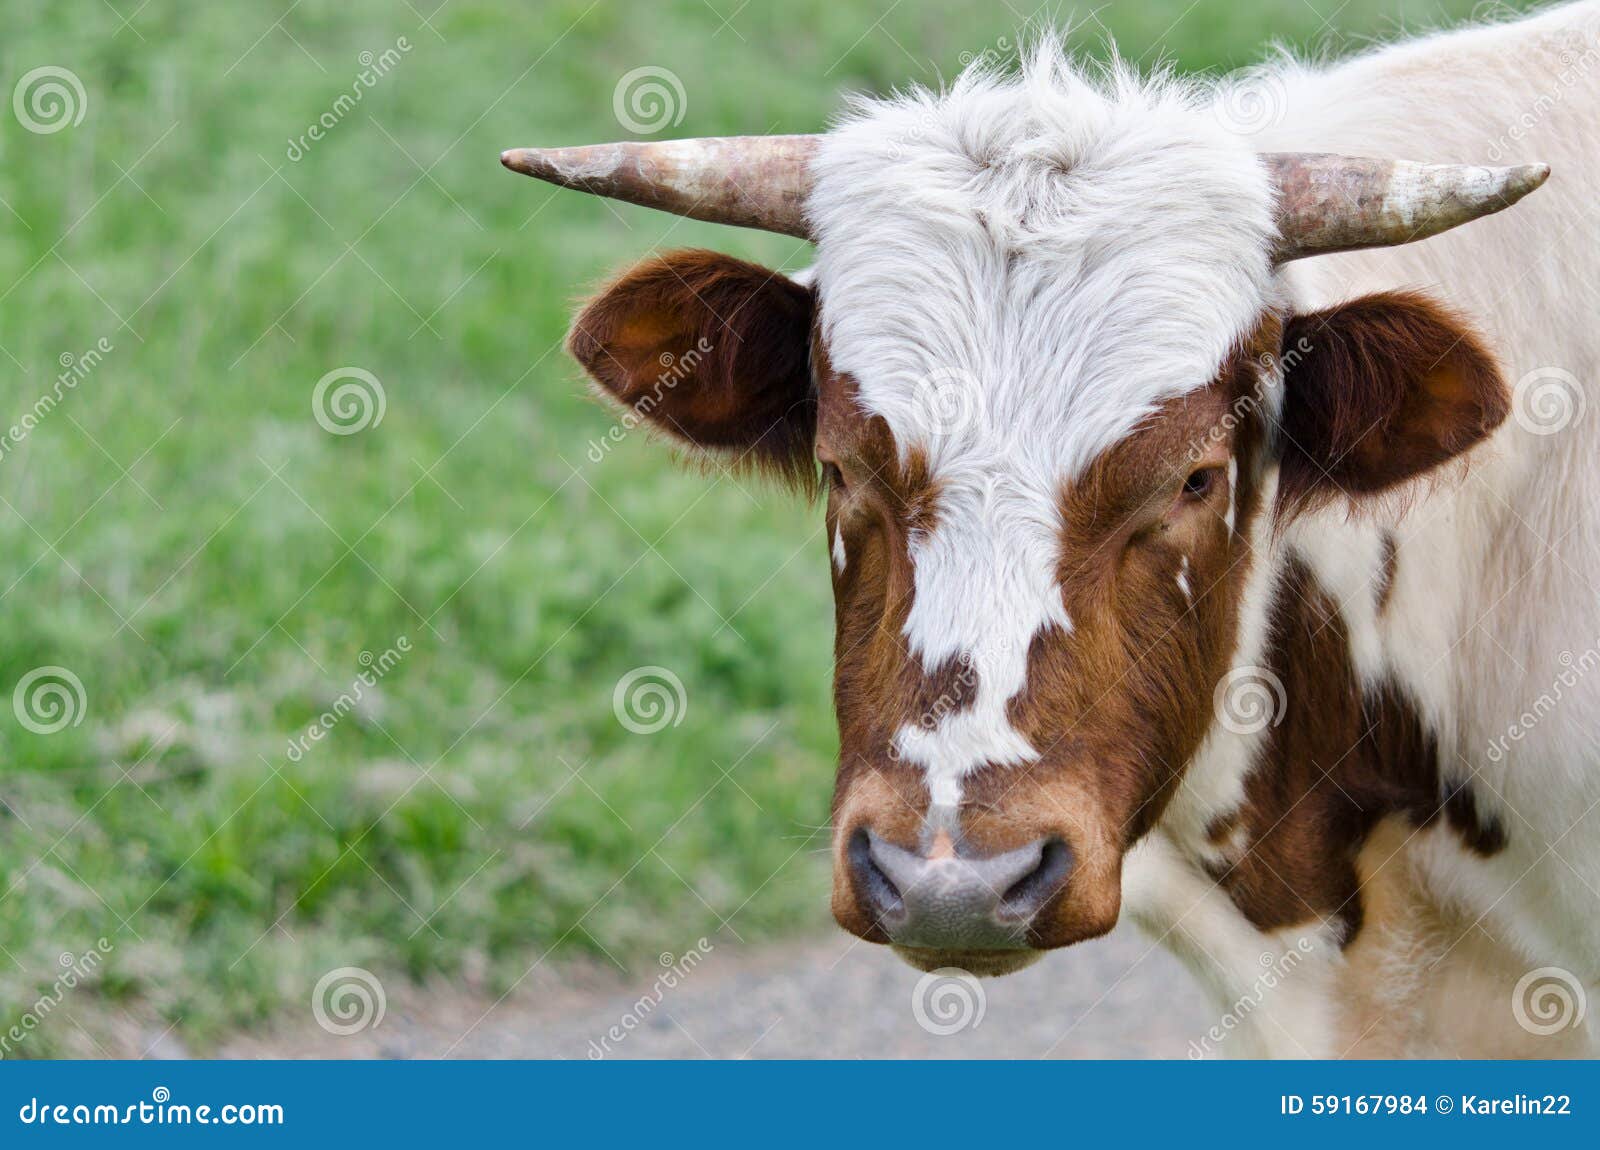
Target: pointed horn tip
x=535, y=162
x=1527, y=177
x=1519, y=180
x=519, y=160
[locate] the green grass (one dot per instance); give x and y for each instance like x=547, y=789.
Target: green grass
x=216, y=596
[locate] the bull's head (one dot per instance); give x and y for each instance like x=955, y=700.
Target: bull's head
x=1048, y=370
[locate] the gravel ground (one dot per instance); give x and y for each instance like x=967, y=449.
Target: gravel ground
x=1117, y=997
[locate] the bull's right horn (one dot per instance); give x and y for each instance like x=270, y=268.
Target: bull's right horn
x=749, y=181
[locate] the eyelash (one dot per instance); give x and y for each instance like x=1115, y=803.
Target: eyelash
x=832, y=477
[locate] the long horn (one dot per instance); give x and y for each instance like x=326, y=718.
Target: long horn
x=750, y=181
x=1329, y=203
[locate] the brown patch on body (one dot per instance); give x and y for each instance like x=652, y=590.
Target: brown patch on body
x=1341, y=760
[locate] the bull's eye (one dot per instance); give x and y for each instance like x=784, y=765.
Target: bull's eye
x=1201, y=482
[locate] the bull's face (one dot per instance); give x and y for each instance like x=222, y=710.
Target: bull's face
x=1027, y=656
x=1059, y=407
x=1023, y=665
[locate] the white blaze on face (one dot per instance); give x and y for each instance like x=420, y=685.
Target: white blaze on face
x=984, y=586
x=1016, y=273
x=1233, y=487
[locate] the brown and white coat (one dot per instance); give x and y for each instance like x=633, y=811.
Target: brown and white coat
x=1215, y=590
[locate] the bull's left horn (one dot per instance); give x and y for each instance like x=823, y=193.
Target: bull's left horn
x=1329, y=203
x=749, y=181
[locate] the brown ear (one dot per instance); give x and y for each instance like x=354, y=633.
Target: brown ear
x=1378, y=391
x=711, y=350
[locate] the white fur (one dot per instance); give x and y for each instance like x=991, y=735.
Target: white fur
x=1268, y=1011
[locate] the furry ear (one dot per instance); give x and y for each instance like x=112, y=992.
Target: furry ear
x=1378, y=391
x=714, y=352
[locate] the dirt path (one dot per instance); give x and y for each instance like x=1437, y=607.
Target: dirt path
x=1114, y=998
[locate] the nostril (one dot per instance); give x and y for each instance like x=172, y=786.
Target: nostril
x=877, y=892
x=1027, y=896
